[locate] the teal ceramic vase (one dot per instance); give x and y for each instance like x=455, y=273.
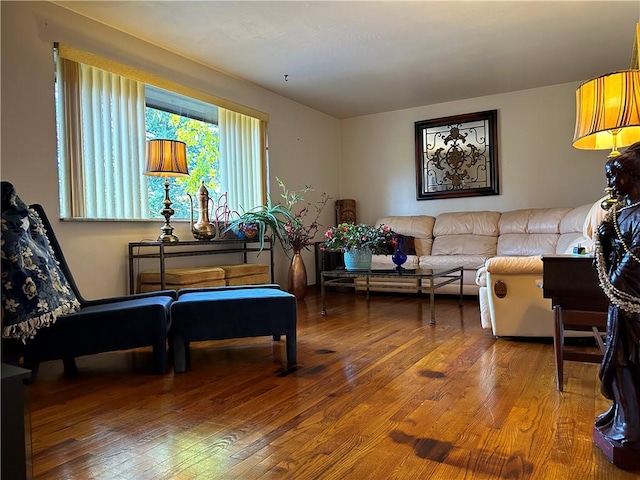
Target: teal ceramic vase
x=355, y=259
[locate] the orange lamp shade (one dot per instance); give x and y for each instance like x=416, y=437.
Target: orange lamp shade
x=608, y=111
x=166, y=158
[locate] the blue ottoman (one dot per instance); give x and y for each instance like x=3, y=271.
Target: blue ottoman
x=218, y=313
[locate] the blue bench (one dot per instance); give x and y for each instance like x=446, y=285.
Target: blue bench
x=219, y=313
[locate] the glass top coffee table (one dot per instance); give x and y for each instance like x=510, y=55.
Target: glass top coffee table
x=427, y=281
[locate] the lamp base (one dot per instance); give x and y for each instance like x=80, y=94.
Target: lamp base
x=168, y=237
x=167, y=230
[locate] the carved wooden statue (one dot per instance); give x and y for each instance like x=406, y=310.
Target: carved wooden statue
x=345, y=211
x=617, y=431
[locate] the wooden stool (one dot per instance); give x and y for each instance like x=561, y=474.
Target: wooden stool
x=177, y=278
x=245, y=274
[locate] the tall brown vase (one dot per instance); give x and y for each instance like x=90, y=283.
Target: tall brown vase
x=297, y=281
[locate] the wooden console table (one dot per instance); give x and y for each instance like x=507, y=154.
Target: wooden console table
x=165, y=250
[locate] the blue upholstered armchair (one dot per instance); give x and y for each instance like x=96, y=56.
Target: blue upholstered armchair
x=44, y=316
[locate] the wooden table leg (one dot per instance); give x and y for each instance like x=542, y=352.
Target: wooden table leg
x=558, y=345
x=322, y=291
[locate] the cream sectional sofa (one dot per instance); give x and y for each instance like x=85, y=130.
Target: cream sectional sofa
x=492, y=247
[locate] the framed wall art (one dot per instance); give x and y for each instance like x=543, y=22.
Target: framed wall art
x=457, y=156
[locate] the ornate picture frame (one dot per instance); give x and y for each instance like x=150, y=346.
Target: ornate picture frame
x=457, y=156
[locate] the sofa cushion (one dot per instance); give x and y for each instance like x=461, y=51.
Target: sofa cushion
x=593, y=219
x=465, y=245
x=574, y=220
x=469, y=262
x=408, y=244
x=525, y=244
x=568, y=241
x=418, y=226
x=530, y=231
x=466, y=233
x=572, y=228
x=483, y=223
x=532, y=220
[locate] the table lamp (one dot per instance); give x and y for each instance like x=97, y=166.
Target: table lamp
x=166, y=158
x=608, y=112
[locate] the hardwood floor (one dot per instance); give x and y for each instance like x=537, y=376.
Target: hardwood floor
x=378, y=393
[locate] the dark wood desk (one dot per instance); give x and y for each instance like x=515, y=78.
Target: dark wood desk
x=578, y=302
x=16, y=424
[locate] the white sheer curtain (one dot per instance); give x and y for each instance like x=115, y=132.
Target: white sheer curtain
x=102, y=154
x=242, y=161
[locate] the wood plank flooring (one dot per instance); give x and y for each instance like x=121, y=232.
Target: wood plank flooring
x=378, y=393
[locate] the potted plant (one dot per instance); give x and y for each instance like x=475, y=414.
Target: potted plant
x=260, y=220
x=358, y=242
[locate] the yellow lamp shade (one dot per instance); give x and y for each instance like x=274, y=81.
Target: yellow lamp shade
x=608, y=111
x=166, y=158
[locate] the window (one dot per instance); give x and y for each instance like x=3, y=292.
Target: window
x=104, y=119
x=169, y=115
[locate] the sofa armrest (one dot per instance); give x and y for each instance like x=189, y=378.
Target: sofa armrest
x=481, y=276
x=514, y=265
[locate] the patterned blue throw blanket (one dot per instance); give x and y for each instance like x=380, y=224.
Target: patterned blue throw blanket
x=34, y=289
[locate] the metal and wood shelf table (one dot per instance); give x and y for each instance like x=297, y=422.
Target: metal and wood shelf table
x=166, y=250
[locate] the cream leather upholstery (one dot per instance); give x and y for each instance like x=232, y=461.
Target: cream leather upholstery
x=510, y=281
x=418, y=226
x=494, y=247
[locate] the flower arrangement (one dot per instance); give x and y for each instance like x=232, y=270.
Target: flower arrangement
x=287, y=227
x=297, y=234
x=348, y=236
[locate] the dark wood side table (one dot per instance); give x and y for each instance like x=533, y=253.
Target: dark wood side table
x=16, y=424
x=578, y=302
x=326, y=260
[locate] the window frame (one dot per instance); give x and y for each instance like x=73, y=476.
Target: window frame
x=155, y=81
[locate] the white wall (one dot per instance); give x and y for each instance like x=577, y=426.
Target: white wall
x=304, y=143
x=538, y=165
x=370, y=158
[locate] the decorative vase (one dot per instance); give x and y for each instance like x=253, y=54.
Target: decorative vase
x=357, y=259
x=399, y=257
x=297, y=280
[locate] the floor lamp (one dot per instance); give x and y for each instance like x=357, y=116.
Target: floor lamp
x=608, y=117
x=166, y=158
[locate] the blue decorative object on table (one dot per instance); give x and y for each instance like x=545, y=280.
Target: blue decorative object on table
x=399, y=257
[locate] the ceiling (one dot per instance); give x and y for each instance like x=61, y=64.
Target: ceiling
x=355, y=58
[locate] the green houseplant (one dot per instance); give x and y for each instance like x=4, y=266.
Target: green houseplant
x=260, y=220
